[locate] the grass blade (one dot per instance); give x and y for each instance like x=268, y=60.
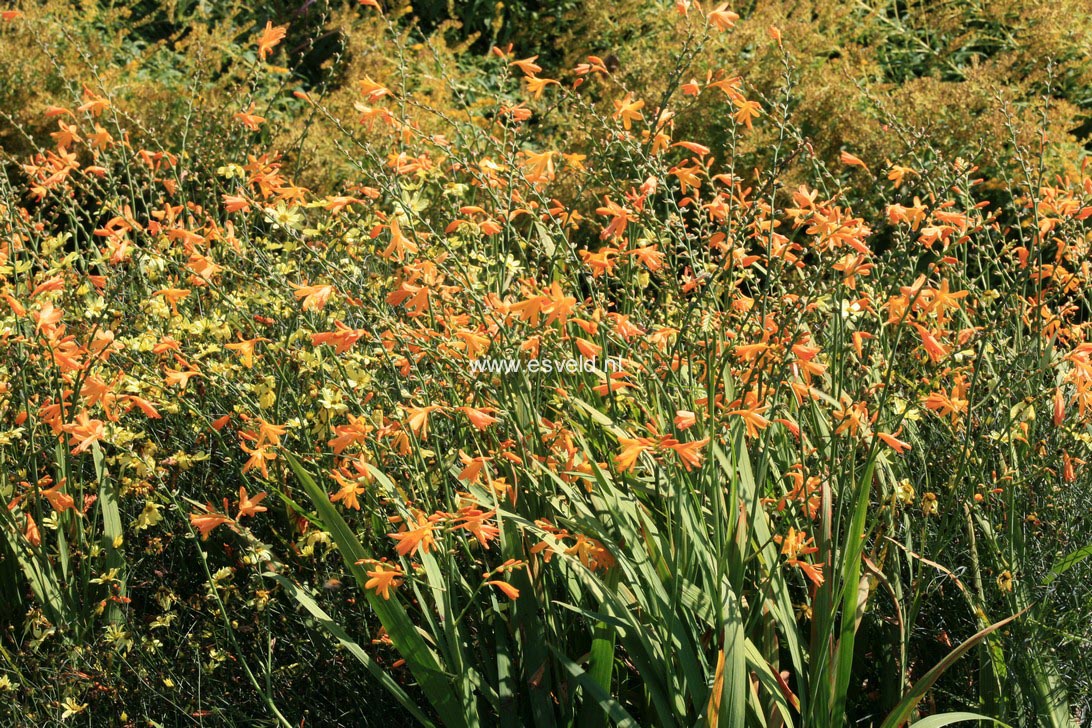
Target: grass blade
x=422, y=662
x=902, y=712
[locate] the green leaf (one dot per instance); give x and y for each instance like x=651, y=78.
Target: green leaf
x=611, y=707
x=354, y=649
x=734, y=701
x=854, y=599
x=1066, y=563
x=942, y=719
x=438, y=686
x=43, y=581
x=112, y=529
x=601, y=664
x=902, y=712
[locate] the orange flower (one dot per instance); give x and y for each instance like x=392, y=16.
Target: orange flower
x=587, y=349
x=752, y=418
x=236, y=203
x=173, y=296
x=812, y=571
x=314, y=297
x=269, y=39
x=96, y=391
x=620, y=217
x=631, y=451
x=399, y=244
x=746, y=111
x=652, y=258
x=933, y=348
x=509, y=591
x=207, y=521
x=527, y=65
x=15, y=306
x=61, y=502
x=806, y=491
x=472, y=467
x=685, y=419
x=480, y=418
x=356, y=432
x=538, y=166
x=245, y=350
x=721, y=18
x=47, y=317
x=418, y=538
x=531, y=309
x=418, y=419
x=1069, y=467
x=373, y=91
x=250, y=120
x=269, y=433
x=601, y=262
x=944, y=405
x=628, y=110
x=260, y=457
x=348, y=491
x=32, y=533
x=851, y=416
x=166, y=344
x=93, y=103
x=180, y=379
x=341, y=339
x=249, y=506
x=383, y=578
x=84, y=432
x=851, y=160
x=897, y=445
x=1059, y=408
x=474, y=520
x=537, y=85
x=796, y=544
x=595, y=64
x=897, y=174
x=591, y=553
x=689, y=452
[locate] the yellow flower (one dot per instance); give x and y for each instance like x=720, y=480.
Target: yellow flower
x=929, y=504
x=905, y=492
x=284, y=216
x=71, y=708
x=148, y=517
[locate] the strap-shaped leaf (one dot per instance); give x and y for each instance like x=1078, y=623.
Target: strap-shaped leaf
x=354, y=649
x=437, y=685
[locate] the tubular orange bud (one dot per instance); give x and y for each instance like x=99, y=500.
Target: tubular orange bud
x=509, y=591
x=1069, y=473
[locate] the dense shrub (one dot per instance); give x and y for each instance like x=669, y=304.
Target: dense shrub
x=817, y=280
